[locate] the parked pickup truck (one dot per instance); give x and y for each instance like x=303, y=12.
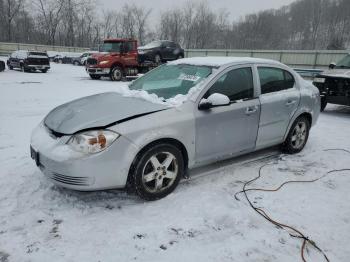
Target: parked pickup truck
x=29, y=61
x=334, y=84
x=117, y=58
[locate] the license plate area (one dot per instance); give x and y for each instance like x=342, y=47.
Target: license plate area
x=35, y=156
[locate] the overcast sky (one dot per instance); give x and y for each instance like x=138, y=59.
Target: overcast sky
x=237, y=8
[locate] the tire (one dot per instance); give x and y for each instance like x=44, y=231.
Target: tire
x=60, y=61
x=157, y=59
x=10, y=67
x=44, y=71
x=2, y=66
x=116, y=74
x=95, y=77
x=76, y=63
x=323, y=103
x=162, y=177
x=180, y=56
x=297, y=136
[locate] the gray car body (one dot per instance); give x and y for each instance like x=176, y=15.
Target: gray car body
x=205, y=136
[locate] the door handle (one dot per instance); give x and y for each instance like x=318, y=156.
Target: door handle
x=251, y=110
x=290, y=102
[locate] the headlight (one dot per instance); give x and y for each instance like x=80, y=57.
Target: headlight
x=92, y=141
x=319, y=80
x=103, y=62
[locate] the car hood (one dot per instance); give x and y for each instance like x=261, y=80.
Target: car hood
x=101, y=55
x=343, y=73
x=97, y=111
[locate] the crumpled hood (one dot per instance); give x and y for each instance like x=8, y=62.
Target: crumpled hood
x=343, y=73
x=97, y=111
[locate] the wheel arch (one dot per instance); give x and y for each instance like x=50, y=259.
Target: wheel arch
x=172, y=141
x=308, y=116
x=117, y=64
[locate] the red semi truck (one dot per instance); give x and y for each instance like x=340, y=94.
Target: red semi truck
x=117, y=58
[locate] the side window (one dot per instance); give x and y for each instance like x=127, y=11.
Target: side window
x=274, y=79
x=237, y=85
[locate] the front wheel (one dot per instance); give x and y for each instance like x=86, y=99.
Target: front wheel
x=44, y=70
x=297, y=136
x=116, y=74
x=158, y=171
x=323, y=103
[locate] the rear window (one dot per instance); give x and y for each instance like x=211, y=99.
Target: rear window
x=274, y=79
x=37, y=54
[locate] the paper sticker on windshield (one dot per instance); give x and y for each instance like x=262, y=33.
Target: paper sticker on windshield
x=189, y=77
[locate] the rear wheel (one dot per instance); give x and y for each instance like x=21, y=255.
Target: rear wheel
x=44, y=71
x=297, y=136
x=158, y=59
x=180, y=56
x=95, y=77
x=158, y=171
x=116, y=74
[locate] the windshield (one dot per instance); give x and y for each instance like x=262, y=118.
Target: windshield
x=153, y=44
x=37, y=54
x=344, y=63
x=167, y=81
x=110, y=47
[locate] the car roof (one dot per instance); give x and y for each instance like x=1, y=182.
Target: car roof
x=223, y=61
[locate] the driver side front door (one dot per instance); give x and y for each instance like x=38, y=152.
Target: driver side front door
x=229, y=130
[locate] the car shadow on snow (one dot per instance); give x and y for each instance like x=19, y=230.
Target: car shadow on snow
x=335, y=110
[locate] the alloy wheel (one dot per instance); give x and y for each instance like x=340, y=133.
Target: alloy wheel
x=299, y=135
x=160, y=172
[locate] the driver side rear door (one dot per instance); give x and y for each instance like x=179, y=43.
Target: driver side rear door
x=229, y=130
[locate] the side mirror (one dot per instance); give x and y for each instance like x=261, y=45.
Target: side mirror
x=332, y=65
x=214, y=100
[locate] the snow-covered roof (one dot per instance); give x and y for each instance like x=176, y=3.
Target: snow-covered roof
x=222, y=61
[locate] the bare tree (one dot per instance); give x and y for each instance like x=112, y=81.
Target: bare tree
x=50, y=14
x=10, y=9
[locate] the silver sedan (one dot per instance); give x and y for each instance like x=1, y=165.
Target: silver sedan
x=184, y=114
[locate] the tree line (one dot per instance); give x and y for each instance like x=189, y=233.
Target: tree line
x=304, y=24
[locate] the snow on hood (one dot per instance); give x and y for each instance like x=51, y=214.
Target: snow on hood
x=342, y=73
x=97, y=111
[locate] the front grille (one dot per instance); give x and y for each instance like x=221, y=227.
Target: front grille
x=69, y=180
x=91, y=61
x=337, y=87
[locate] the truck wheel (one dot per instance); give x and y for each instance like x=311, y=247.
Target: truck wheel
x=323, y=103
x=2, y=66
x=158, y=59
x=95, y=77
x=297, y=136
x=116, y=74
x=158, y=171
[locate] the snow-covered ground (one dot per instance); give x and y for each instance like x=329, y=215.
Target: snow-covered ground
x=200, y=221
